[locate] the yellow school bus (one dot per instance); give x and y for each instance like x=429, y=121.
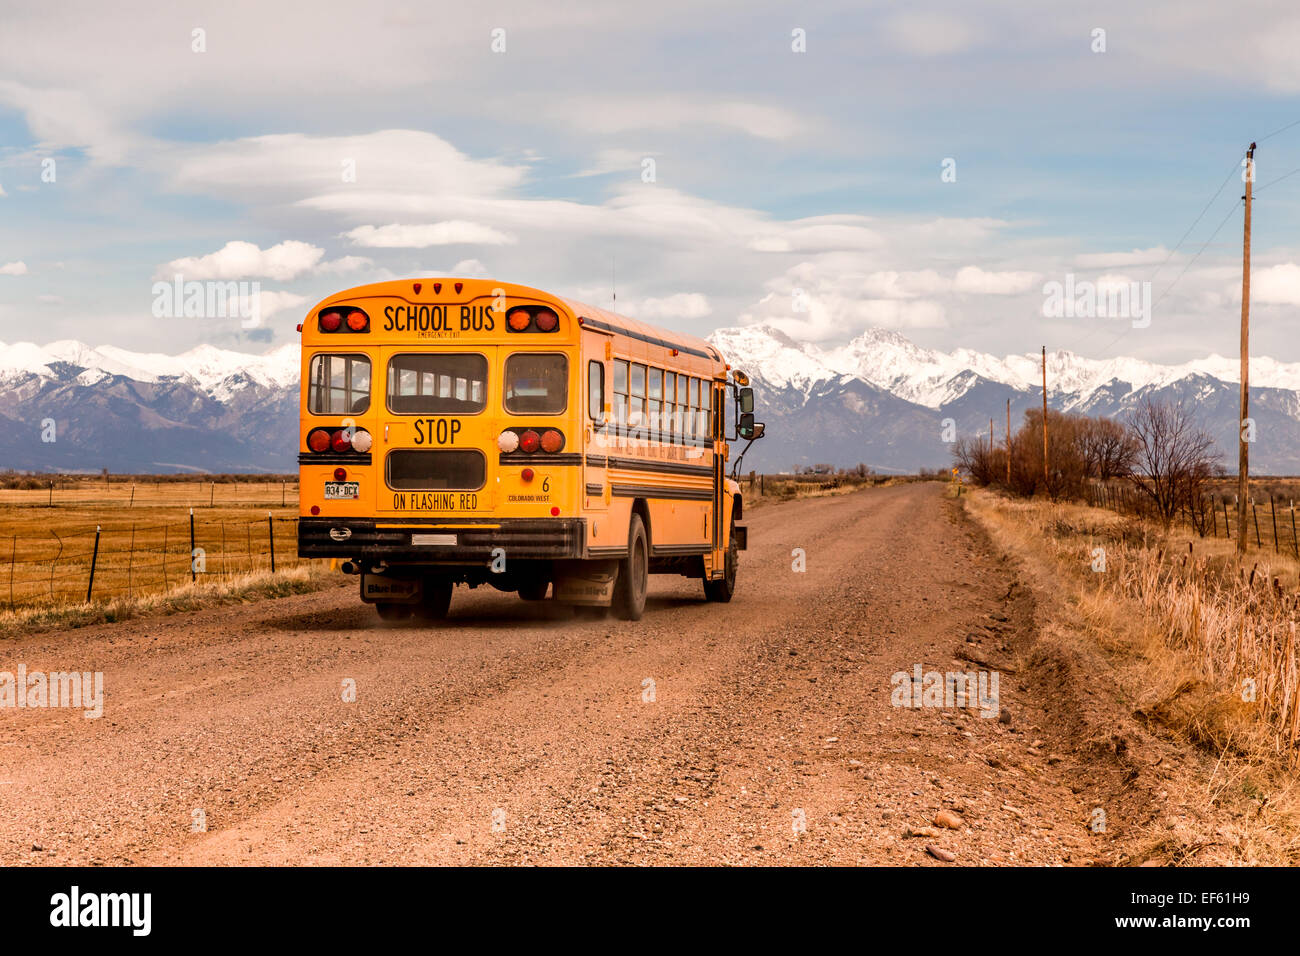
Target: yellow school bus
x=470, y=431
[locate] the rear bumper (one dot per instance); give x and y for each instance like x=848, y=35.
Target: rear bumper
x=390, y=539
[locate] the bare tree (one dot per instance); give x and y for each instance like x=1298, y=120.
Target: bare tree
x=1174, y=457
x=1108, y=448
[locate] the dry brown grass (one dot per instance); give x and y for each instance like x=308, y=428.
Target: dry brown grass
x=1205, y=648
x=238, y=589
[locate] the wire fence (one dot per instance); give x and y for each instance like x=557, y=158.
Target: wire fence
x=96, y=564
x=1270, y=524
x=70, y=492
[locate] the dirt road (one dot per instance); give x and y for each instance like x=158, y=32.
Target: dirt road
x=517, y=734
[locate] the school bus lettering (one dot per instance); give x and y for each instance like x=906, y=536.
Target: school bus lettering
x=473, y=418
x=434, y=501
x=436, y=431
x=478, y=318
x=416, y=318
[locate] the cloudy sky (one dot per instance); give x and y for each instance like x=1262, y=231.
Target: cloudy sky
x=825, y=167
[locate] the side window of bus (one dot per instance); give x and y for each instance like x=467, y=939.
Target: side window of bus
x=536, y=383
x=620, y=393
x=689, y=403
x=596, y=391
x=670, y=407
x=704, y=427
x=636, y=400
x=654, y=402
x=340, y=385
x=437, y=383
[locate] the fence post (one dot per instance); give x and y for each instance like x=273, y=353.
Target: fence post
x=130, y=559
x=1227, y=528
x=270, y=530
x=13, y=559
x=193, y=574
x=94, y=558
x=1272, y=508
x=282, y=491
x=131, y=503
x=1214, y=516
x=165, y=586
x=1255, y=514
x=1295, y=546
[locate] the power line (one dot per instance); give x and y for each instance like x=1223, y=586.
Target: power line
x=1169, y=287
x=1276, y=131
x=1279, y=179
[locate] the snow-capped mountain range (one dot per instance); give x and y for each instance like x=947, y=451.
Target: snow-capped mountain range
x=880, y=400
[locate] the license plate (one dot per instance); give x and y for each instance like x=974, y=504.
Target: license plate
x=342, y=489
x=434, y=539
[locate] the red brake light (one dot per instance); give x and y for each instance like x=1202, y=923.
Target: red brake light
x=341, y=440
x=529, y=441
x=555, y=512
x=358, y=321
x=459, y=286
x=552, y=441
x=546, y=320
x=340, y=474
x=330, y=321
x=518, y=319
x=318, y=439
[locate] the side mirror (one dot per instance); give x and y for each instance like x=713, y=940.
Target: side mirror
x=746, y=397
x=748, y=428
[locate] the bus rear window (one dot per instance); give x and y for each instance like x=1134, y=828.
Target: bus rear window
x=440, y=383
x=536, y=383
x=425, y=470
x=338, y=385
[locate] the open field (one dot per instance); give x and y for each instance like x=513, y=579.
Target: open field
x=143, y=543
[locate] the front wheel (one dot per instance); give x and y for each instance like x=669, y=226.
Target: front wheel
x=633, y=571
x=722, y=590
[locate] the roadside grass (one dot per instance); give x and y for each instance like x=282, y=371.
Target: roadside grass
x=238, y=589
x=1204, y=646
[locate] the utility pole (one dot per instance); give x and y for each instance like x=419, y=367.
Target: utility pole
x=1008, y=442
x=1243, y=447
x=990, y=438
x=1045, y=478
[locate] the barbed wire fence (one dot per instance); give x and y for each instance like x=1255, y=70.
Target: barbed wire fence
x=101, y=564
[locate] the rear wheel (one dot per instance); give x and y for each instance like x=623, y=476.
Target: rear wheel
x=435, y=599
x=391, y=611
x=722, y=590
x=534, y=590
x=633, y=571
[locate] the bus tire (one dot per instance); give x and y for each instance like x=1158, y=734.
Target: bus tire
x=633, y=573
x=435, y=599
x=534, y=590
x=722, y=590
x=392, y=611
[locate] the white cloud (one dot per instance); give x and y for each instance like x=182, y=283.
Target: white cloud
x=343, y=264
x=1110, y=260
x=13, y=269
x=1276, y=285
x=904, y=285
x=3, y=194
x=471, y=269
x=242, y=260
x=973, y=280
x=448, y=233
x=272, y=302
x=681, y=305
x=931, y=34
x=611, y=114
x=50, y=299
